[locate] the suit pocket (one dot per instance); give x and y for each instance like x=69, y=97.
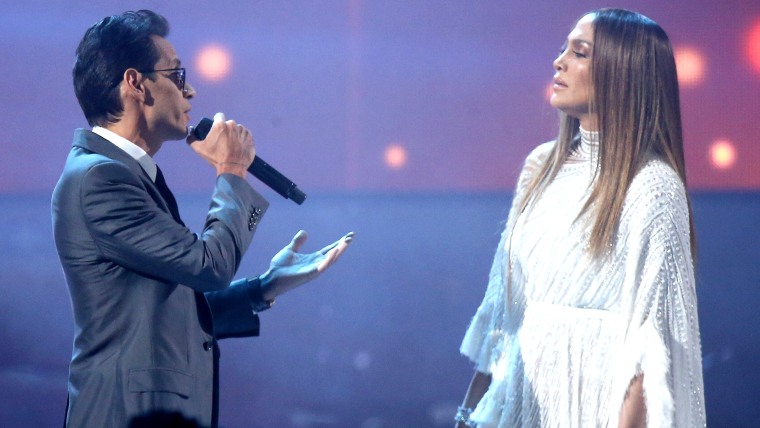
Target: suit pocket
x=158, y=379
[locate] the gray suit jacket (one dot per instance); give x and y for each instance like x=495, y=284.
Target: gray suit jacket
x=149, y=296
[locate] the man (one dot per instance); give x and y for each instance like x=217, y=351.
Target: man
x=150, y=298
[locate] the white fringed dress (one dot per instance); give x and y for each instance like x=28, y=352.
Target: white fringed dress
x=562, y=335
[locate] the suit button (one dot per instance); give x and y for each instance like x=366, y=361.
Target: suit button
x=207, y=346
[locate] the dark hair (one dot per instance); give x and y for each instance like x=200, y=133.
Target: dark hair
x=107, y=49
x=636, y=100
x=633, y=67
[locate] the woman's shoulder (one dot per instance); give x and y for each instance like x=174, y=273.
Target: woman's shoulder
x=533, y=164
x=657, y=174
x=656, y=188
x=541, y=152
x=538, y=156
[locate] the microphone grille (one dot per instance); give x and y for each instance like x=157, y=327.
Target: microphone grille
x=201, y=130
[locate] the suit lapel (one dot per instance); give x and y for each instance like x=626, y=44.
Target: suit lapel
x=161, y=194
x=163, y=188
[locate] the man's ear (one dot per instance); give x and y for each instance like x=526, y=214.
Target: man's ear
x=132, y=83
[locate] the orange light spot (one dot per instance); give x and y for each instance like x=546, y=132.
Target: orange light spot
x=549, y=91
x=722, y=154
x=395, y=156
x=213, y=62
x=752, y=46
x=691, y=66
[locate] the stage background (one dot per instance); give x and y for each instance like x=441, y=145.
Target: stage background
x=406, y=122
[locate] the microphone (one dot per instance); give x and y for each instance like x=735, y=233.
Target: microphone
x=260, y=169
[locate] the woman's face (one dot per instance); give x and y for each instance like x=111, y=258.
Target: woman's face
x=572, y=88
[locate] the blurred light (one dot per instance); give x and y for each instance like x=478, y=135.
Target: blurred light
x=213, y=62
x=722, y=154
x=691, y=65
x=549, y=91
x=395, y=156
x=362, y=360
x=752, y=47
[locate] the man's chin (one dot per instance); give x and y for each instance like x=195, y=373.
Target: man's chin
x=179, y=134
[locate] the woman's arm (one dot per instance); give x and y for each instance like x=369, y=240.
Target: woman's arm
x=633, y=413
x=478, y=387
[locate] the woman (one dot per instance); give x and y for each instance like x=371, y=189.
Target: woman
x=590, y=318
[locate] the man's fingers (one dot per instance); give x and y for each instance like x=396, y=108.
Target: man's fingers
x=332, y=255
x=327, y=249
x=298, y=240
x=344, y=240
x=329, y=259
x=191, y=139
x=341, y=247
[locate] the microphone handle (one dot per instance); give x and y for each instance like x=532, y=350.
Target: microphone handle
x=278, y=182
x=260, y=169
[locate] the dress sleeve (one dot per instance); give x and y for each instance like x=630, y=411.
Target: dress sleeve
x=487, y=340
x=662, y=339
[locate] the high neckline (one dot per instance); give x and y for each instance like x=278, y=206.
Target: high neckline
x=588, y=146
x=589, y=137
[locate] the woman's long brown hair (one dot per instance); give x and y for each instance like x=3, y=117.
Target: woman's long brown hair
x=636, y=101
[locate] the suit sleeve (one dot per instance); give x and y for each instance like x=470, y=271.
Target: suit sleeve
x=130, y=229
x=234, y=309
